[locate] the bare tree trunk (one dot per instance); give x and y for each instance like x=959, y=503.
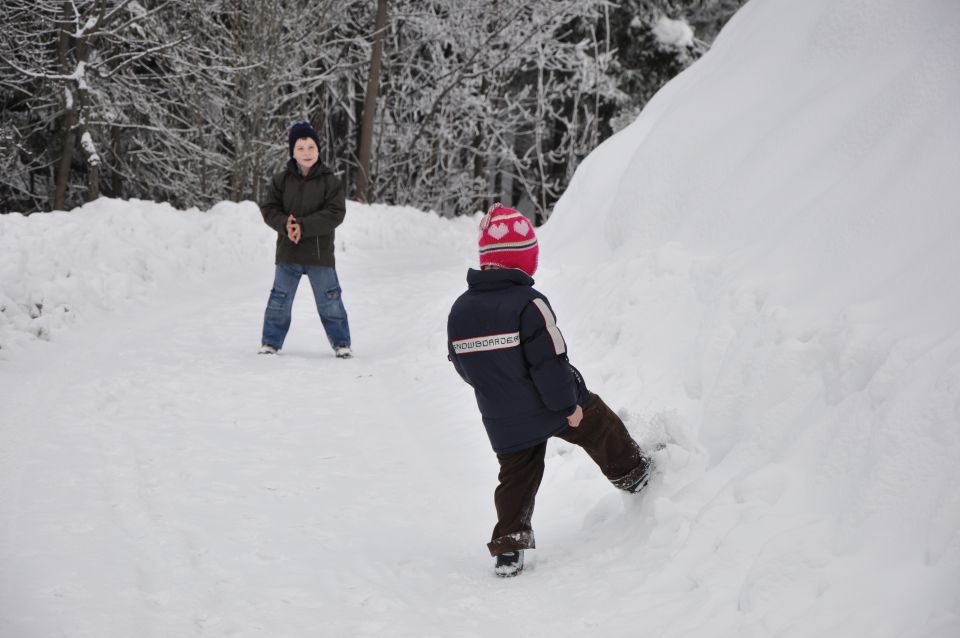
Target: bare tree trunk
x=69, y=122
x=116, y=179
x=93, y=183
x=257, y=177
x=74, y=127
x=541, y=167
x=370, y=102
x=75, y=111
x=66, y=159
x=479, y=153
x=93, y=165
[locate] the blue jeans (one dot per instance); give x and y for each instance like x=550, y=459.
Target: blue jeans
x=326, y=292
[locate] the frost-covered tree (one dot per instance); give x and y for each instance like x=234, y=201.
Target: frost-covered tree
x=188, y=101
x=76, y=56
x=480, y=100
x=28, y=105
x=654, y=40
x=175, y=100
x=248, y=69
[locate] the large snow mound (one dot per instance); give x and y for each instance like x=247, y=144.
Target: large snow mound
x=773, y=247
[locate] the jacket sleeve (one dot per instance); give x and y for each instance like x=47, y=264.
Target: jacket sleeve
x=546, y=355
x=452, y=356
x=271, y=206
x=456, y=363
x=331, y=213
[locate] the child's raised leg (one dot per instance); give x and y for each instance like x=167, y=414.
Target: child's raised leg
x=606, y=439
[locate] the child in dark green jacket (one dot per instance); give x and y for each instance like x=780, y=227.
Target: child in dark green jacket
x=304, y=204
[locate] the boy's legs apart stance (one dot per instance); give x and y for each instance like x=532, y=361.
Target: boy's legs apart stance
x=276, y=318
x=327, y=294
x=601, y=434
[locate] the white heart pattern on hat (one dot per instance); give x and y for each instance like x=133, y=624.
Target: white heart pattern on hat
x=521, y=227
x=497, y=231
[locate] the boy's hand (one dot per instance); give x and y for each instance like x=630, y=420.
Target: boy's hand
x=293, y=229
x=293, y=233
x=574, y=419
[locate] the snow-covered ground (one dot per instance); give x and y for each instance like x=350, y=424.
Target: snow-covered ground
x=761, y=272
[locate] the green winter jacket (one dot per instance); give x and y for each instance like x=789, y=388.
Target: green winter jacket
x=317, y=201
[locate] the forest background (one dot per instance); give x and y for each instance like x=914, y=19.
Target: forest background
x=440, y=104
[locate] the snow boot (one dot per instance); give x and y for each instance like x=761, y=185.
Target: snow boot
x=343, y=352
x=265, y=349
x=509, y=564
x=644, y=478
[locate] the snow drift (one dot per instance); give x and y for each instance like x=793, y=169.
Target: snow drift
x=61, y=267
x=779, y=232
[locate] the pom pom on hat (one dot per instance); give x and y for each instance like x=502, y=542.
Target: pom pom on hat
x=507, y=239
x=300, y=130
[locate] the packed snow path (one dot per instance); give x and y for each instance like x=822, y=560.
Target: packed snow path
x=159, y=478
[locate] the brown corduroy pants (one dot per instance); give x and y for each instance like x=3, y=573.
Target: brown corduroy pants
x=601, y=434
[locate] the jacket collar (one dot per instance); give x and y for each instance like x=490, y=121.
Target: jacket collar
x=315, y=171
x=496, y=278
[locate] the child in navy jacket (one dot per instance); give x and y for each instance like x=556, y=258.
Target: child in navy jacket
x=503, y=340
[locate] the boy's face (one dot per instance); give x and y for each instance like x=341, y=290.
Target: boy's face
x=305, y=151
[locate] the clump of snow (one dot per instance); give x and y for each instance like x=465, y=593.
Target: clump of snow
x=93, y=157
x=673, y=33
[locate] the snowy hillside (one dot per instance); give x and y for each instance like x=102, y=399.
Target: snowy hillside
x=780, y=229
x=760, y=272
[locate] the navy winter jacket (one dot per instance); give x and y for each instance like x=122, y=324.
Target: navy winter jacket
x=503, y=340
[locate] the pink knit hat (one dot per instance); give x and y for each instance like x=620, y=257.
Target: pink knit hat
x=507, y=240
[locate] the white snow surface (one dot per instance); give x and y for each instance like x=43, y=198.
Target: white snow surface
x=761, y=273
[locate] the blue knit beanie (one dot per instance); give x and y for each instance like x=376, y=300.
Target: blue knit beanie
x=300, y=130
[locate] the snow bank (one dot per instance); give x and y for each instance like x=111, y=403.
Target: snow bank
x=58, y=267
x=773, y=243
x=61, y=266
